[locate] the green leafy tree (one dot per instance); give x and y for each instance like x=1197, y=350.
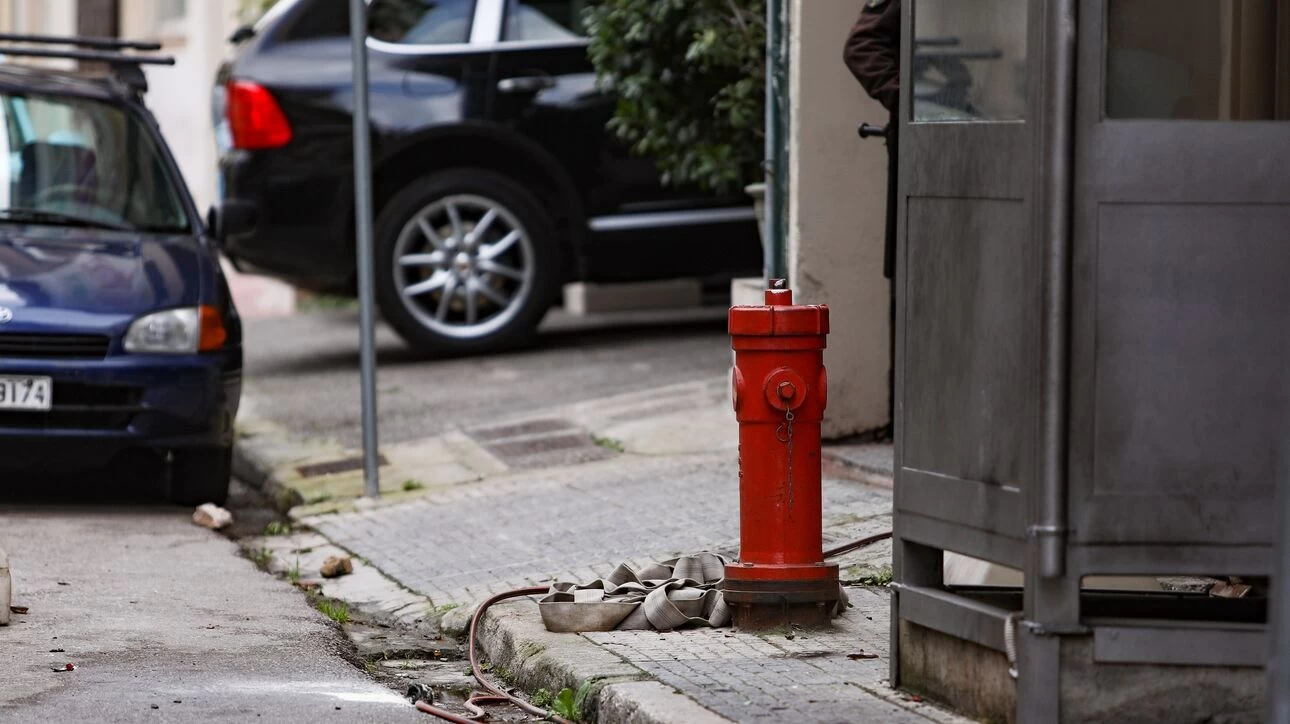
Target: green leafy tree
x=690, y=79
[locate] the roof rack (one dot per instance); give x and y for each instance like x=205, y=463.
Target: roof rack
x=110, y=51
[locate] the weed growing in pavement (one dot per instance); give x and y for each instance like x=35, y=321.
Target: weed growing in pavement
x=277, y=527
x=370, y=667
x=410, y=485
x=324, y=303
x=609, y=443
x=881, y=578
x=544, y=699
x=334, y=610
x=261, y=557
x=293, y=575
x=568, y=704
x=319, y=498
x=444, y=608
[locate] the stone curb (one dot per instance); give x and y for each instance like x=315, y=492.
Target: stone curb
x=520, y=649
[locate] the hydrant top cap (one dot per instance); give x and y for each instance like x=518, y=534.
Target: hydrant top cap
x=779, y=317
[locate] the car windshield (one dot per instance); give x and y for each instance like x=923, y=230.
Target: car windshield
x=81, y=162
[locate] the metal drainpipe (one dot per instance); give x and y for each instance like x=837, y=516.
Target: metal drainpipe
x=1279, y=663
x=1059, y=148
x=777, y=138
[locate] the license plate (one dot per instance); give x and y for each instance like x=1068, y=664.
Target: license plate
x=35, y=394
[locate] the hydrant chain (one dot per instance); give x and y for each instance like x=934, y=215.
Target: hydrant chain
x=788, y=440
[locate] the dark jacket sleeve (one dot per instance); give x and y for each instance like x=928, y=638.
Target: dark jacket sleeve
x=873, y=52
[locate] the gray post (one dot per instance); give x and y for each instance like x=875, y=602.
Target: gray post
x=363, y=224
x=777, y=103
x=1279, y=610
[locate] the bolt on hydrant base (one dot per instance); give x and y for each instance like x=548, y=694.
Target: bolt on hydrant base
x=780, y=391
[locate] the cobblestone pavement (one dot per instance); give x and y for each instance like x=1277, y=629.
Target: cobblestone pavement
x=576, y=524
x=838, y=676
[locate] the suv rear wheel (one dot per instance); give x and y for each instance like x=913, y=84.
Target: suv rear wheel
x=466, y=261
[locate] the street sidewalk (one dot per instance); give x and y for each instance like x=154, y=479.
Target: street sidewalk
x=570, y=493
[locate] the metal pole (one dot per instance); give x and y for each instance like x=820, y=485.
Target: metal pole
x=363, y=224
x=1279, y=609
x=777, y=123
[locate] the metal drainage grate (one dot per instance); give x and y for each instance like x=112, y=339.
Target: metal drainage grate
x=333, y=467
x=540, y=443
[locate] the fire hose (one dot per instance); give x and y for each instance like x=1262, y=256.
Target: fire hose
x=494, y=695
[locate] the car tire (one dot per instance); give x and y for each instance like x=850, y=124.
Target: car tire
x=466, y=262
x=200, y=475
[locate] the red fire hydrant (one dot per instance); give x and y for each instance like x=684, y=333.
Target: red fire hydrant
x=780, y=391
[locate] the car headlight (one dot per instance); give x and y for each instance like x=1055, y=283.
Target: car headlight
x=177, y=331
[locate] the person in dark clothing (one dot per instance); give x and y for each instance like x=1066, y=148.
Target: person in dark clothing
x=873, y=54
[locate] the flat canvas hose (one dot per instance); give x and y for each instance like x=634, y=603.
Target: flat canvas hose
x=494, y=695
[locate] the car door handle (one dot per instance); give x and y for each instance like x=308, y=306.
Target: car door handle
x=526, y=84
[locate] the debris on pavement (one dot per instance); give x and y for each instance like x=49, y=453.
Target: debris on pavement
x=861, y=656
x=63, y=667
x=1230, y=590
x=20, y=610
x=336, y=566
x=212, y=516
x=6, y=589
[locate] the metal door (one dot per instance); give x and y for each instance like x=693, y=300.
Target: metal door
x=1181, y=280
x=967, y=278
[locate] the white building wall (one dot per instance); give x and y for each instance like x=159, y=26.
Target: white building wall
x=837, y=212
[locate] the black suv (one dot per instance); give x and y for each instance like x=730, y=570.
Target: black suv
x=495, y=178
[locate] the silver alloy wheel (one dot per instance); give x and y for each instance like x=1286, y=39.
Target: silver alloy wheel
x=463, y=266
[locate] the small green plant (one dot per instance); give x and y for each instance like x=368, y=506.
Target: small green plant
x=370, y=667
x=261, y=557
x=293, y=575
x=410, y=485
x=334, y=610
x=277, y=527
x=325, y=303
x=881, y=578
x=444, y=608
x=568, y=704
x=544, y=699
x=319, y=498
x=608, y=443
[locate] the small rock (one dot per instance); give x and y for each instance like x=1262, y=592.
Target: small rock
x=154, y=706
x=212, y=516
x=63, y=667
x=58, y=651
x=1230, y=590
x=337, y=566
x=861, y=656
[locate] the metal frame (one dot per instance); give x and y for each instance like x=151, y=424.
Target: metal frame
x=1050, y=521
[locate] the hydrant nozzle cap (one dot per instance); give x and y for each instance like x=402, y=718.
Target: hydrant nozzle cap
x=779, y=295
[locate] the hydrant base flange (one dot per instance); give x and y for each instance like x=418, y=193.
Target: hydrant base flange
x=763, y=597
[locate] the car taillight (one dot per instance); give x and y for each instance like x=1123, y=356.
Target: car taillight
x=255, y=119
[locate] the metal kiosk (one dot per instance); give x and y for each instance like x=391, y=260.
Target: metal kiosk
x=1093, y=347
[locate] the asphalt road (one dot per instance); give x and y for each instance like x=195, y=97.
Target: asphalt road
x=164, y=621
x=302, y=371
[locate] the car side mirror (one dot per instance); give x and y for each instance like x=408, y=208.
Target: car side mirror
x=227, y=219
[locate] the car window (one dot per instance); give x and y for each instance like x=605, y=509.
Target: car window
x=544, y=20
x=87, y=159
x=421, y=22
x=322, y=19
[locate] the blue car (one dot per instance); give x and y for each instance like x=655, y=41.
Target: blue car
x=118, y=334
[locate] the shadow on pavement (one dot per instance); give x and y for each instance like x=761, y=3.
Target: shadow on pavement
x=586, y=337
x=134, y=480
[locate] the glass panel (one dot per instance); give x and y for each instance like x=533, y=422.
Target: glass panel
x=544, y=20
x=1215, y=60
x=970, y=60
x=77, y=161
x=421, y=22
